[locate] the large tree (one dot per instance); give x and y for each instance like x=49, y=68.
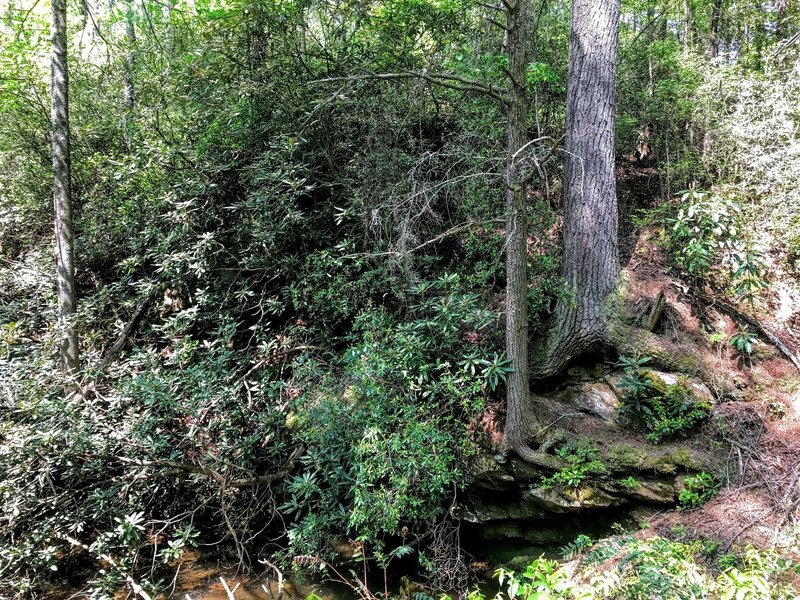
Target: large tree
x=591, y=252
x=591, y=249
x=521, y=419
x=62, y=197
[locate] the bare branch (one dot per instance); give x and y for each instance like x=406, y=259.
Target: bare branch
x=530, y=143
x=230, y=592
x=210, y=473
x=279, y=573
x=489, y=6
x=446, y=80
x=452, y=231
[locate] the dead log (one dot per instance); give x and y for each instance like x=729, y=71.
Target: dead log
x=753, y=322
x=652, y=316
x=123, y=337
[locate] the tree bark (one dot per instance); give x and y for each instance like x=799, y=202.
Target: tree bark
x=129, y=93
x=591, y=252
x=130, y=57
x=62, y=201
x=518, y=382
x=713, y=36
x=688, y=24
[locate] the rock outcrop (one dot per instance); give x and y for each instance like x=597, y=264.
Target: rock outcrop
x=508, y=497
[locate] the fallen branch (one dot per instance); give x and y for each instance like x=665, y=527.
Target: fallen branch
x=123, y=337
x=210, y=473
x=230, y=592
x=279, y=573
x=735, y=313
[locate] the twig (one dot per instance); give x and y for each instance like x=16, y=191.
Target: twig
x=137, y=589
x=230, y=592
x=564, y=416
x=531, y=142
x=279, y=573
x=452, y=231
x=539, y=162
x=447, y=80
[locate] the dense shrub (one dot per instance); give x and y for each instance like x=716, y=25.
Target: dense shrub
x=405, y=391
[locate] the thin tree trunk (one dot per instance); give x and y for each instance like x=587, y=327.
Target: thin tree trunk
x=62, y=201
x=713, y=36
x=687, y=27
x=129, y=93
x=518, y=383
x=784, y=10
x=591, y=253
x=130, y=57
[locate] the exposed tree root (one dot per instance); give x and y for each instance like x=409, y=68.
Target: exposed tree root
x=521, y=427
x=580, y=329
x=538, y=459
x=570, y=345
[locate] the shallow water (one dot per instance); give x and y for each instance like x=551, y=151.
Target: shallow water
x=199, y=581
x=246, y=590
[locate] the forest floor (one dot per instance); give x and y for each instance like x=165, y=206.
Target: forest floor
x=758, y=411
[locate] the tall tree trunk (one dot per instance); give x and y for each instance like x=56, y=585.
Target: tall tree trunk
x=713, y=36
x=129, y=93
x=130, y=57
x=687, y=27
x=591, y=252
x=62, y=201
x=518, y=382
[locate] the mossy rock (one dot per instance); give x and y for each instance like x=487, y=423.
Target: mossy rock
x=648, y=491
x=565, y=500
x=631, y=458
x=665, y=384
x=482, y=471
x=626, y=457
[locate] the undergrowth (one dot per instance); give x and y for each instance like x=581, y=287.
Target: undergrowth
x=666, y=411
x=626, y=567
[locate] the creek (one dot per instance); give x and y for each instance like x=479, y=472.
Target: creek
x=505, y=544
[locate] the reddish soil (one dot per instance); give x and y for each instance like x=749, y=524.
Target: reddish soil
x=760, y=501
